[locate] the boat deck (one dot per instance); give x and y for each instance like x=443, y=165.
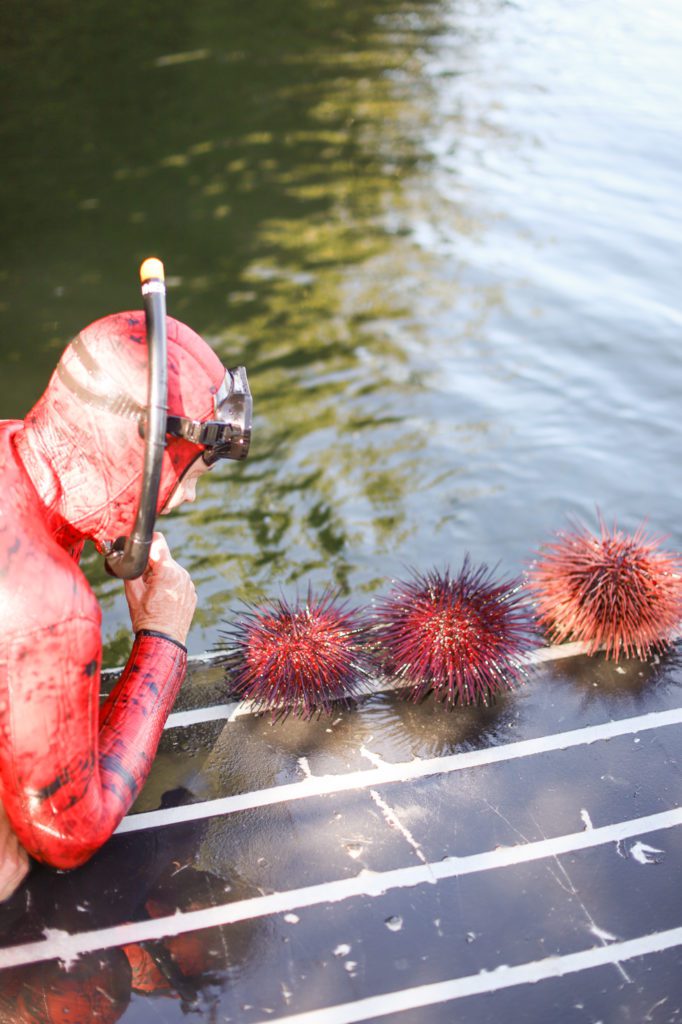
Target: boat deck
x=392, y=862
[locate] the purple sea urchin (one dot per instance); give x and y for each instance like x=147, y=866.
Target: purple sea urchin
x=297, y=658
x=462, y=637
x=615, y=590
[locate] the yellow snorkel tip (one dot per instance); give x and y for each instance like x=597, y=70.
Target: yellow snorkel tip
x=152, y=270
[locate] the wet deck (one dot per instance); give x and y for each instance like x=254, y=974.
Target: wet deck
x=392, y=862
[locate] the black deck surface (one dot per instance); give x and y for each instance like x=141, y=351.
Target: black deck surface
x=501, y=870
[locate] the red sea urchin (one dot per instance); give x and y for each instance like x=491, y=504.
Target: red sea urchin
x=297, y=658
x=462, y=637
x=615, y=591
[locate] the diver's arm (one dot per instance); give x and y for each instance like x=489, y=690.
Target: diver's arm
x=161, y=603
x=134, y=714
x=68, y=782
x=70, y=773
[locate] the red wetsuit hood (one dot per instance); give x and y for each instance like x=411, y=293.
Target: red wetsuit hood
x=81, y=444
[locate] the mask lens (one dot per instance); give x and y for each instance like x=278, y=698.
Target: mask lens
x=233, y=409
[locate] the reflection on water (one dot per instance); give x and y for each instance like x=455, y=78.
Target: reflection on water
x=625, y=686
x=399, y=730
x=439, y=236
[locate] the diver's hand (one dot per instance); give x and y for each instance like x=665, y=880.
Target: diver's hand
x=13, y=858
x=163, y=598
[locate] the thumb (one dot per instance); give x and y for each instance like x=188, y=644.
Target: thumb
x=159, y=551
x=159, y=555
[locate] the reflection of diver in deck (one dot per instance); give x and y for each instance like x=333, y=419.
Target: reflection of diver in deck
x=71, y=471
x=98, y=986
x=158, y=880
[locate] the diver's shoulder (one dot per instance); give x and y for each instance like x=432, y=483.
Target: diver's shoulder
x=18, y=497
x=40, y=585
x=39, y=581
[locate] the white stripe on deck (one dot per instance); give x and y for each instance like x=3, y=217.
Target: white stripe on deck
x=487, y=981
x=237, y=708
x=403, y=771
x=62, y=945
x=228, y=712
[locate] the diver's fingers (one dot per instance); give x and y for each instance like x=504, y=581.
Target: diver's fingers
x=14, y=863
x=134, y=590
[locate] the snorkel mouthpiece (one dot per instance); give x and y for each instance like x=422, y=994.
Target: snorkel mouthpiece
x=128, y=556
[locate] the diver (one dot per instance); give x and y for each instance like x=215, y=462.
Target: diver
x=97, y=458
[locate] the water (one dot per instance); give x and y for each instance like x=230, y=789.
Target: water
x=443, y=237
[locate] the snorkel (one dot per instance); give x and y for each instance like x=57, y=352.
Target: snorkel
x=127, y=557
x=225, y=436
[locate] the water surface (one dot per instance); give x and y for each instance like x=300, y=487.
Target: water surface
x=443, y=237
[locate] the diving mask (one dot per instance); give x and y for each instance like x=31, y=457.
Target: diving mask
x=228, y=434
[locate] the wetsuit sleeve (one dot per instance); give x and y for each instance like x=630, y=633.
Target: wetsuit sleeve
x=70, y=771
x=133, y=716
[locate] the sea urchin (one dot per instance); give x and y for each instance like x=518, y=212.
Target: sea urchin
x=615, y=590
x=462, y=637
x=297, y=658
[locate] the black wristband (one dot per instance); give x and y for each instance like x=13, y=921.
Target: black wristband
x=161, y=636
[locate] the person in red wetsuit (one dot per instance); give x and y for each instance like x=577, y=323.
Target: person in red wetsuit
x=71, y=471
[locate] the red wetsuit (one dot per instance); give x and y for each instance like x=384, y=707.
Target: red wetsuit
x=71, y=471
